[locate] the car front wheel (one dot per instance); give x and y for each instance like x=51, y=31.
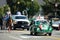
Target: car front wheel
x=49, y=34
x=14, y=28
x=31, y=33
x=27, y=29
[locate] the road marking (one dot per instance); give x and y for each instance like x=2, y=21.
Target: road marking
x=15, y=38
x=24, y=36
x=30, y=37
x=53, y=37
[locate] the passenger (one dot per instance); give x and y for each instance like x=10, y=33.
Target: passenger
x=18, y=13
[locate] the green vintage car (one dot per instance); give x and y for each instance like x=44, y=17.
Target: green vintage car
x=41, y=28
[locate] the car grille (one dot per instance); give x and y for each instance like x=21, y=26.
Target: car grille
x=22, y=23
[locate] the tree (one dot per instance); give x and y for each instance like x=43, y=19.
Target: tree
x=3, y=10
x=21, y=5
x=49, y=7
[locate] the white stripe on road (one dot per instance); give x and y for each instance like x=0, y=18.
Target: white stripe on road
x=30, y=37
x=15, y=38
x=25, y=36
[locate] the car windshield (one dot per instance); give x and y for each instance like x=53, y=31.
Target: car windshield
x=56, y=22
x=20, y=17
x=41, y=22
x=44, y=22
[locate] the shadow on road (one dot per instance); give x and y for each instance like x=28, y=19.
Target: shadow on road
x=4, y=32
x=1, y=32
x=26, y=34
x=32, y=35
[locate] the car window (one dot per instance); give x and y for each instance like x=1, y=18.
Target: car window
x=44, y=22
x=20, y=17
x=37, y=22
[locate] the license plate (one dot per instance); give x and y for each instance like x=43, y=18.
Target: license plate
x=22, y=26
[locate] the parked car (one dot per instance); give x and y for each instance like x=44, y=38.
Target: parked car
x=55, y=25
x=20, y=21
x=41, y=28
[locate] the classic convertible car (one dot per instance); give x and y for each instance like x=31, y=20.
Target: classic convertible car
x=41, y=28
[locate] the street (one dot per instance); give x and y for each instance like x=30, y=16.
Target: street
x=25, y=35
x=32, y=16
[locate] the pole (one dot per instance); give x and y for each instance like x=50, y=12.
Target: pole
x=55, y=9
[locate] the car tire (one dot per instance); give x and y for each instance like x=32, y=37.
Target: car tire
x=1, y=28
x=31, y=33
x=35, y=33
x=14, y=28
x=22, y=28
x=27, y=29
x=49, y=34
x=45, y=34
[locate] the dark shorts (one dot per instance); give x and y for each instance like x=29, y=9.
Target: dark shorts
x=8, y=25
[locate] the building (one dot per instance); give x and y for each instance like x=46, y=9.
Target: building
x=2, y=3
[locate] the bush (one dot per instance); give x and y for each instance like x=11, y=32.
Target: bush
x=3, y=10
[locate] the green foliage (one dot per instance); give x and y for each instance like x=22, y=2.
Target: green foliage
x=3, y=10
x=33, y=8
x=6, y=7
x=22, y=5
x=49, y=7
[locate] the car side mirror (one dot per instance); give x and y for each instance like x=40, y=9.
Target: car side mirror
x=50, y=23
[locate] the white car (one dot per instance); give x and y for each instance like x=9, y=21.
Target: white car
x=56, y=24
x=20, y=21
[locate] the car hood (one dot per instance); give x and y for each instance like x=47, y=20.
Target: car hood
x=45, y=26
x=55, y=25
x=16, y=20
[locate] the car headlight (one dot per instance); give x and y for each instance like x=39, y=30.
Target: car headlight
x=14, y=22
x=28, y=23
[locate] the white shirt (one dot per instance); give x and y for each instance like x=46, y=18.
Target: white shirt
x=18, y=13
x=8, y=12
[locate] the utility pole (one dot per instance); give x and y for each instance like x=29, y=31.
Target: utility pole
x=56, y=4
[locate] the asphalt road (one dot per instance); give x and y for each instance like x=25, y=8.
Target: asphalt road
x=25, y=35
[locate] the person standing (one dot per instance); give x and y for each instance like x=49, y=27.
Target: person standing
x=9, y=20
x=9, y=23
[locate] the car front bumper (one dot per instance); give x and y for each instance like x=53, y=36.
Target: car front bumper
x=21, y=26
x=42, y=31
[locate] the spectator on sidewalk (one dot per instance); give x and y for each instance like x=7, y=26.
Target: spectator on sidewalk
x=6, y=19
x=9, y=22
x=1, y=23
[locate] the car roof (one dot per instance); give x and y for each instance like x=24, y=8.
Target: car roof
x=13, y=16
x=18, y=15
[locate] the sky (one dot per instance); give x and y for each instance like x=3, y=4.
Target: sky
x=2, y=2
